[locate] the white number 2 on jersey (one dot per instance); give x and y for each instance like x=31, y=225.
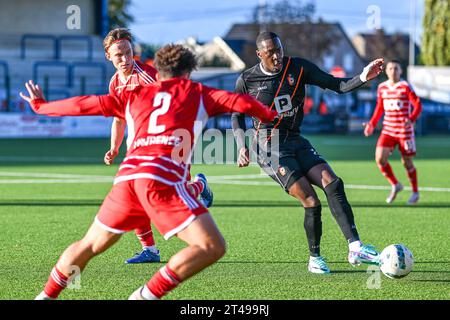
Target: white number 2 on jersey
x=164, y=99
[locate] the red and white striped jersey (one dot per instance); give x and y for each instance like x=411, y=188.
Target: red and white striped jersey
x=142, y=74
x=166, y=118
x=395, y=100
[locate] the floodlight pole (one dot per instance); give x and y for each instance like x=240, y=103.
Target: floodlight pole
x=262, y=15
x=412, y=28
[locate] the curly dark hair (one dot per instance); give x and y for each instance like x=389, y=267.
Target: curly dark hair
x=174, y=60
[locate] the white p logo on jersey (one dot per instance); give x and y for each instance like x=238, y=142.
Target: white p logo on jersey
x=283, y=103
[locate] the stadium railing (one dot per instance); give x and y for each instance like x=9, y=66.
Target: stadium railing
x=25, y=37
x=88, y=64
x=50, y=64
x=6, y=83
x=87, y=39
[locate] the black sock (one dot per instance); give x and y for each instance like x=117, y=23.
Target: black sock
x=313, y=228
x=341, y=209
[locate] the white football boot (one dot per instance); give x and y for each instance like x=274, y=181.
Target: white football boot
x=395, y=190
x=43, y=296
x=318, y=265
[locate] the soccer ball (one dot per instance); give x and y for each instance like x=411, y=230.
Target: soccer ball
x=396, y=261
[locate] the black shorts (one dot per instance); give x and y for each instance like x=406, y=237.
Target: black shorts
x=293, y=158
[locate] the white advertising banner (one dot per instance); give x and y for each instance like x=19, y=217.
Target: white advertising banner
x=431, y=82
x=33, y=126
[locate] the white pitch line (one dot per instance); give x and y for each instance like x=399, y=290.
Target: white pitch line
x=236, y=181
x=27, y=159
x=55, y=181
x=49, y=175
x=239, y=176
x=229, y=180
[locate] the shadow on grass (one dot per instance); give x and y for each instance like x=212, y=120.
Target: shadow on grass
x=434, y=280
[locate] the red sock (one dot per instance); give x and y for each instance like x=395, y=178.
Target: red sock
x=163, y=282
x=55, y=284
x=388, y=173
x=196, y=188
x=145, y=236
x=412, y=174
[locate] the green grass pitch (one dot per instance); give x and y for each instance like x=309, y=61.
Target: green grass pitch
x=42, y=211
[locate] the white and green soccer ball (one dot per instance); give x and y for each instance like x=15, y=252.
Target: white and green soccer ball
x=396, y=261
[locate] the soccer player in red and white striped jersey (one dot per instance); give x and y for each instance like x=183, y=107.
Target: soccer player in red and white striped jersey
x=130, y=75
x=401, y=108
x=151, y=181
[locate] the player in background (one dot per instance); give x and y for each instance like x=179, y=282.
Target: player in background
x=279, y=82
x=131, y=74
x=151, y=180
x=395, y=98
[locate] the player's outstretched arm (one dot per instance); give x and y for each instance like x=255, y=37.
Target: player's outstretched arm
x=220, y=101
x=316, y=76
x=105, y=105
x=117, y=134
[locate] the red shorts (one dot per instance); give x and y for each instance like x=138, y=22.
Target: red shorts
x=133, y=204
x=407, y=147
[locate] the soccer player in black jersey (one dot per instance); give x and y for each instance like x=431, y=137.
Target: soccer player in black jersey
x=279, y=82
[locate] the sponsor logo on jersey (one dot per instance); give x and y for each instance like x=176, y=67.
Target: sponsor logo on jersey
x=262, y=88
x=283, y=103
x=290, y=79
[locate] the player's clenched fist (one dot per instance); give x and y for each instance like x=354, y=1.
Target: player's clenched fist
x=243, y=158
x=110, y=156
x=368, y=129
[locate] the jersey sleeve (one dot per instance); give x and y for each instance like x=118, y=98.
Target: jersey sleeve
x=378, y=110
x=220, y=101
x=318, y=77
x=240, y=85
x=417, y=105
x=150, y=71
x=105, y=105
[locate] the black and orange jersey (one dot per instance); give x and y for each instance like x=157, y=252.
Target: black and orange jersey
x=285, y=91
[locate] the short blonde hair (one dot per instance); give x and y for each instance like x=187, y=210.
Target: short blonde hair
x=116, y=35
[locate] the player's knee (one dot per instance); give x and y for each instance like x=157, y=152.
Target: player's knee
x=214, y=249
x=408, y=164
x=311, y=202
x=381, y=162
x=91, y=248
x=335, y=187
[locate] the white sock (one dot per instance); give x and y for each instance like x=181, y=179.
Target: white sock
x=147, y=295
x=151, y=248
x=355, y=245
x=43, y=296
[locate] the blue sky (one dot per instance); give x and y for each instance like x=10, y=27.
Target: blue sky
x=166, y=21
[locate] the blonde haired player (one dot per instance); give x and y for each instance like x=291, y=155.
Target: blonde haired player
x=395, y=98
